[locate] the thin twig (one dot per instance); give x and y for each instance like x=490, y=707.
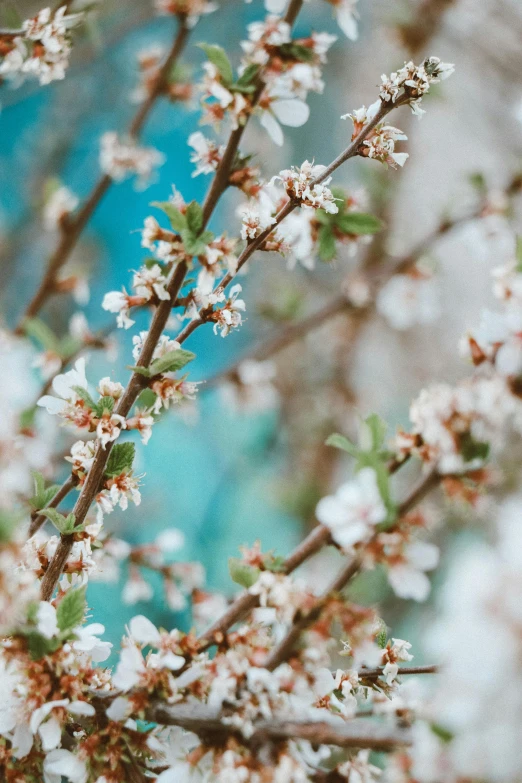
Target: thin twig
x=284, y=649
x=75, y=226
x=208, y=722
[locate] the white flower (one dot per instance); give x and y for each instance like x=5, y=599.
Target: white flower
x=46, y=621
x=63, y=386
x=381, y=146
x=406, y=300
x=291, y=112
x=170, y=540
x=64, y=763
x=60, y=204
x=108, y=388
x=206, y=155
x=150, y=280
x=87, y=641
x=82, y=455
x=407, y=577
x=352, y=513
x=118, y=302
x=346, y=17
x=136, y=589
x=109, y=428
x=299, y=184
x=120, y=159
x=229, y=317
x=130, y=668
x=143, y=631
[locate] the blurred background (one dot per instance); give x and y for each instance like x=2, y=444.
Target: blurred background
x=248, y=461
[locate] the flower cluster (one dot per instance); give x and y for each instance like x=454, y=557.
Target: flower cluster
x=43, y=48
x=120, y=159
x=301, y=185
x=413, y=81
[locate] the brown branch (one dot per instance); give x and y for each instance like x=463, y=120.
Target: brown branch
x=283, y=650
x=95, y=475
x=221, y=178
x=75, y=226
x=206, y=722
x=341, y=304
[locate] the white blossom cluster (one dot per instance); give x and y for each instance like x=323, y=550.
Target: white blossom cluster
x=121, y=158
x=42, y=49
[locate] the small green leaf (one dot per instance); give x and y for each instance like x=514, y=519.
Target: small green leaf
x=518, y=253
x=71, y=610
x=298, y=52
x=473, y=449
x=442, y=733
x=140, y=370
x=381, y=637
x=194, y=216
x=171, y=361
x=27, y=418
x=177, y=219
x=39, y=331
x=104, y=405
x=478, y=182
x=64, y=524
x=196, y=245
x=358, y=223
x=327, y=248
x=218, y=57
x=340, y=442
x=121, y=459
x=242, y=573
x=248, y=76
x=39, y=646
x=372, y=433
x=146, y=399
x=84, y=395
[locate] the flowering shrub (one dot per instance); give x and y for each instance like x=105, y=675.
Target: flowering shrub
x=284, y=683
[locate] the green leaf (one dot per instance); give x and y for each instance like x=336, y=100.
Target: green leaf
x=9, y=521
x=247, y=77
x=358, y=223
x=177, y=219
x=218, y=57
x=373, y=432
x=121, y=459
x=71, y=610
x=194, y=216
x=298, y=52
x=242, y=573
x=477, y=181
x=64, y=524
x=327, y=247
x=39, y=646
x=140, y=370
x=104, y=405
x=27, y=418
x=340, y=442
x=381, y=637
x=171, y=361
x=442, y=733
x=473, y=449
x=39, y=331
x=42, y=494
x=84, y=395
x=196, y=246
x=146, y=399
x=518, y=253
